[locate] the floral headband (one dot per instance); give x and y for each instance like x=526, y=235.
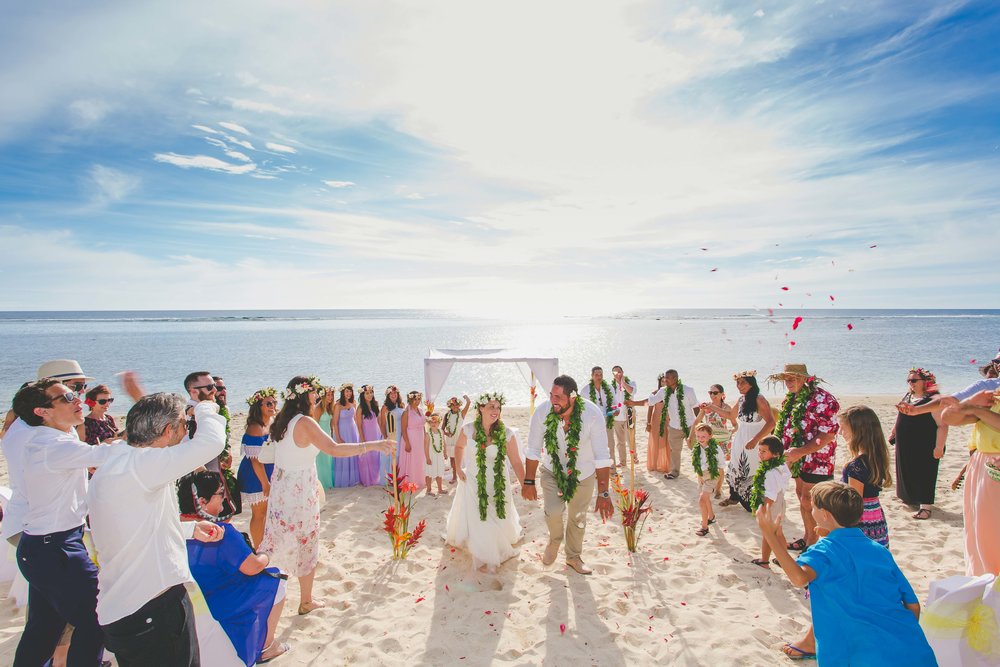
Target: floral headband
x=491, y=396
x=745, y=374
x=312, y=383
x=261, y=394
x=414, y=394
x=930, y=380
x=346, y=385
x=391, y=388
x=367, y=387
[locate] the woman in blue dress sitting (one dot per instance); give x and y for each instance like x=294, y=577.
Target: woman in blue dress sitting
x=243, y=594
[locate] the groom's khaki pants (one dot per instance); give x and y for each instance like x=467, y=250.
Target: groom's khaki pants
x=675, y=437
x=578, y=507
x=618, y=434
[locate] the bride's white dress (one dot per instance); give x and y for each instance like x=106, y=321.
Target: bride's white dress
x=490, y=542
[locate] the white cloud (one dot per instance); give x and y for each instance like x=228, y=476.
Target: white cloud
x=111, y=185
x=236, y=155
x=340, y=184
x=260, y=107
x=414, y=195
x=280, y=148
x=205, y=128
x=87, y=112
x=203, y=162
x=233, y=127
x=239, y=142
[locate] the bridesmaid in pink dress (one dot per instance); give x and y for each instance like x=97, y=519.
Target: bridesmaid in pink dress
x=411, y=444
x=368, y=426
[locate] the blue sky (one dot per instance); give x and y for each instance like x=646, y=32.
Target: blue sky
x=561, y=156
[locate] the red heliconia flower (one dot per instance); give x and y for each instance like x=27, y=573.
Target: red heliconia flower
x=417, y=532
x=408, y=487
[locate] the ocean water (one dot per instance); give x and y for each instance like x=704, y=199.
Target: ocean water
x=251, y=349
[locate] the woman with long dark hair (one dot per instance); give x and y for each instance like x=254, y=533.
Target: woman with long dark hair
x=366, y=419
x=919, y=441
x=254, y=474
x=390, y=420
x=291, y=534
x=754, y=421
x=345, y=430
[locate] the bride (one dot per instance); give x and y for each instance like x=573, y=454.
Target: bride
x=483, y=518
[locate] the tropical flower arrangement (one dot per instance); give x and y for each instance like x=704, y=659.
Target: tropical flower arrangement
x=397, y=516
x=632, y=503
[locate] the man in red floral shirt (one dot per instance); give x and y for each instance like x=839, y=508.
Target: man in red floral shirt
x=809, y=431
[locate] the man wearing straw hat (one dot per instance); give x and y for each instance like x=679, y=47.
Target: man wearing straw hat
x=808, y=426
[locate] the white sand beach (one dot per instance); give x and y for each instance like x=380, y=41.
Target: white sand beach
x=682, y=599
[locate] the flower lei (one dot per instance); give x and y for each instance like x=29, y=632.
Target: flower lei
x=438, y=448
x=565, y=482
x=609, y=419
x=499, y=486
x=450, y=430
x=757, y=488
x=794, y=407
x=312, y=383
x=680, y=409
x=713, y=459
x=261, y=394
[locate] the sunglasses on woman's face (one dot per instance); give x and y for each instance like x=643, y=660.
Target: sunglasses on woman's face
x=914, y=380
x=714, y=393
x=269, y=404
x=105, y=401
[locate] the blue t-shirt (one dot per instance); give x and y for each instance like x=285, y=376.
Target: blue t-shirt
x=990, y=384
x=857, y=602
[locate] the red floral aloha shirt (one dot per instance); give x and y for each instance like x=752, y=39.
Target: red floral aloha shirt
x=820, y=417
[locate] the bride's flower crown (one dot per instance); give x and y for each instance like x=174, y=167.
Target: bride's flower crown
x=312, y=383
x=261, y=394
x=744, y=374
x=491, y=396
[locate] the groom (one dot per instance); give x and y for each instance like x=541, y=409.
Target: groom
x=568, y=437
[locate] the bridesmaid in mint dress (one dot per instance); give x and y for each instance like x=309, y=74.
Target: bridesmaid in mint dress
x=367, y=419
x=324, y=462
x=345, y=431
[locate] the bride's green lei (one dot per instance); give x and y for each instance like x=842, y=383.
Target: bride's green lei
x=499, y=486
x=680, y=409
x=566, y=482
x=713, y=459
x=609, y=419
x=794, y=406
x=757, y=488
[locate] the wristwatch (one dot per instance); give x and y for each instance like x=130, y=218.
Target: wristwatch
x=604, y=494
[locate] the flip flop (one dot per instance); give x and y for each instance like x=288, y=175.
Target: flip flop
x=922, y=514
x=797, y=545
x=701, y=532
x=712, y=520
x=760, y=562
x=798, y=654
x=285, y=648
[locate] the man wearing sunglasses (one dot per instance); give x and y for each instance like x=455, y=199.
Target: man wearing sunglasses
x=200, y=386
x=62, y=578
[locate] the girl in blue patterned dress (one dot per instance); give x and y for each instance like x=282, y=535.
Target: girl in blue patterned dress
x=254, y=474
x=868, y=470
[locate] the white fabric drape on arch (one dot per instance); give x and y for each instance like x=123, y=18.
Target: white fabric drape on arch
x=438, y=364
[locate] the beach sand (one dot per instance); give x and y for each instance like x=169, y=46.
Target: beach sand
x=681, y=599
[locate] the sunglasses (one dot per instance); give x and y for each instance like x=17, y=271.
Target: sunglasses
x=105, y=401
x=78, y=386
x=714, y=393
x=67, y=398
x=206, y=387
x=220, y=387
x=914, y=380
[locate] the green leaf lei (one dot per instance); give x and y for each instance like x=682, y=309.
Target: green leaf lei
x=439, y=447
x=794, y=407
x=757, y=488
x=713, y=459
x=499, y=485
x=450, y=432
x=680, y=409
x=565, y=482
x=609, y=419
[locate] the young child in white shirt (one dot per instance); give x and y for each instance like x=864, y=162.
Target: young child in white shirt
x=434, y=452
x=768, y=488
x=707, y=459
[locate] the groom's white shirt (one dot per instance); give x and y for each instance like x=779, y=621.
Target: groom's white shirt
x=593, y=440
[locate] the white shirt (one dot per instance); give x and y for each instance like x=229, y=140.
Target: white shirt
x=673, y=417
x=593, y=452
x=13, y=444
x=619, y=397
x=776, y=480
x=135, y=521
x=54, y=478
x=599, y=398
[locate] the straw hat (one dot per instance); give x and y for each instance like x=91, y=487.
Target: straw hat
x=791, y=370
x=62, y=369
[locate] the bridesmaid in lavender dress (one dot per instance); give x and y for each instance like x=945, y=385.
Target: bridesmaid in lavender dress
x=411, y=443
x=367, y=421
x=345, y=430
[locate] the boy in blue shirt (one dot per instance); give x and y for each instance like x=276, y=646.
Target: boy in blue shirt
x=863, y=608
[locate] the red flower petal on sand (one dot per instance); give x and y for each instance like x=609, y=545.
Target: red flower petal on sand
x=850, y=327
x=562, y=628
x=446, y=588
x=796, y=323
x=419, y=600
x=487, y=612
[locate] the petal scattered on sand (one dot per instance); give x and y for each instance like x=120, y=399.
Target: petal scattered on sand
x=420, y=600
x=562, y=628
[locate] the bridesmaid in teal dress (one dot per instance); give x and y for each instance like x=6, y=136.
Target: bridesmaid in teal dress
x=324, y=462
x=346, y=471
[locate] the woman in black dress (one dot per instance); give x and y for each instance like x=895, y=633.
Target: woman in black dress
x=919, y=441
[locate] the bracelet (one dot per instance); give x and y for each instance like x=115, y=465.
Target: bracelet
x=529, y=482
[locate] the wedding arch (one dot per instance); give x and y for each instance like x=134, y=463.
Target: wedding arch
x=438, y=364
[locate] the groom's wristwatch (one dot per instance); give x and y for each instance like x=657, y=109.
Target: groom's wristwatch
x=604, y=494
x=529, y=482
